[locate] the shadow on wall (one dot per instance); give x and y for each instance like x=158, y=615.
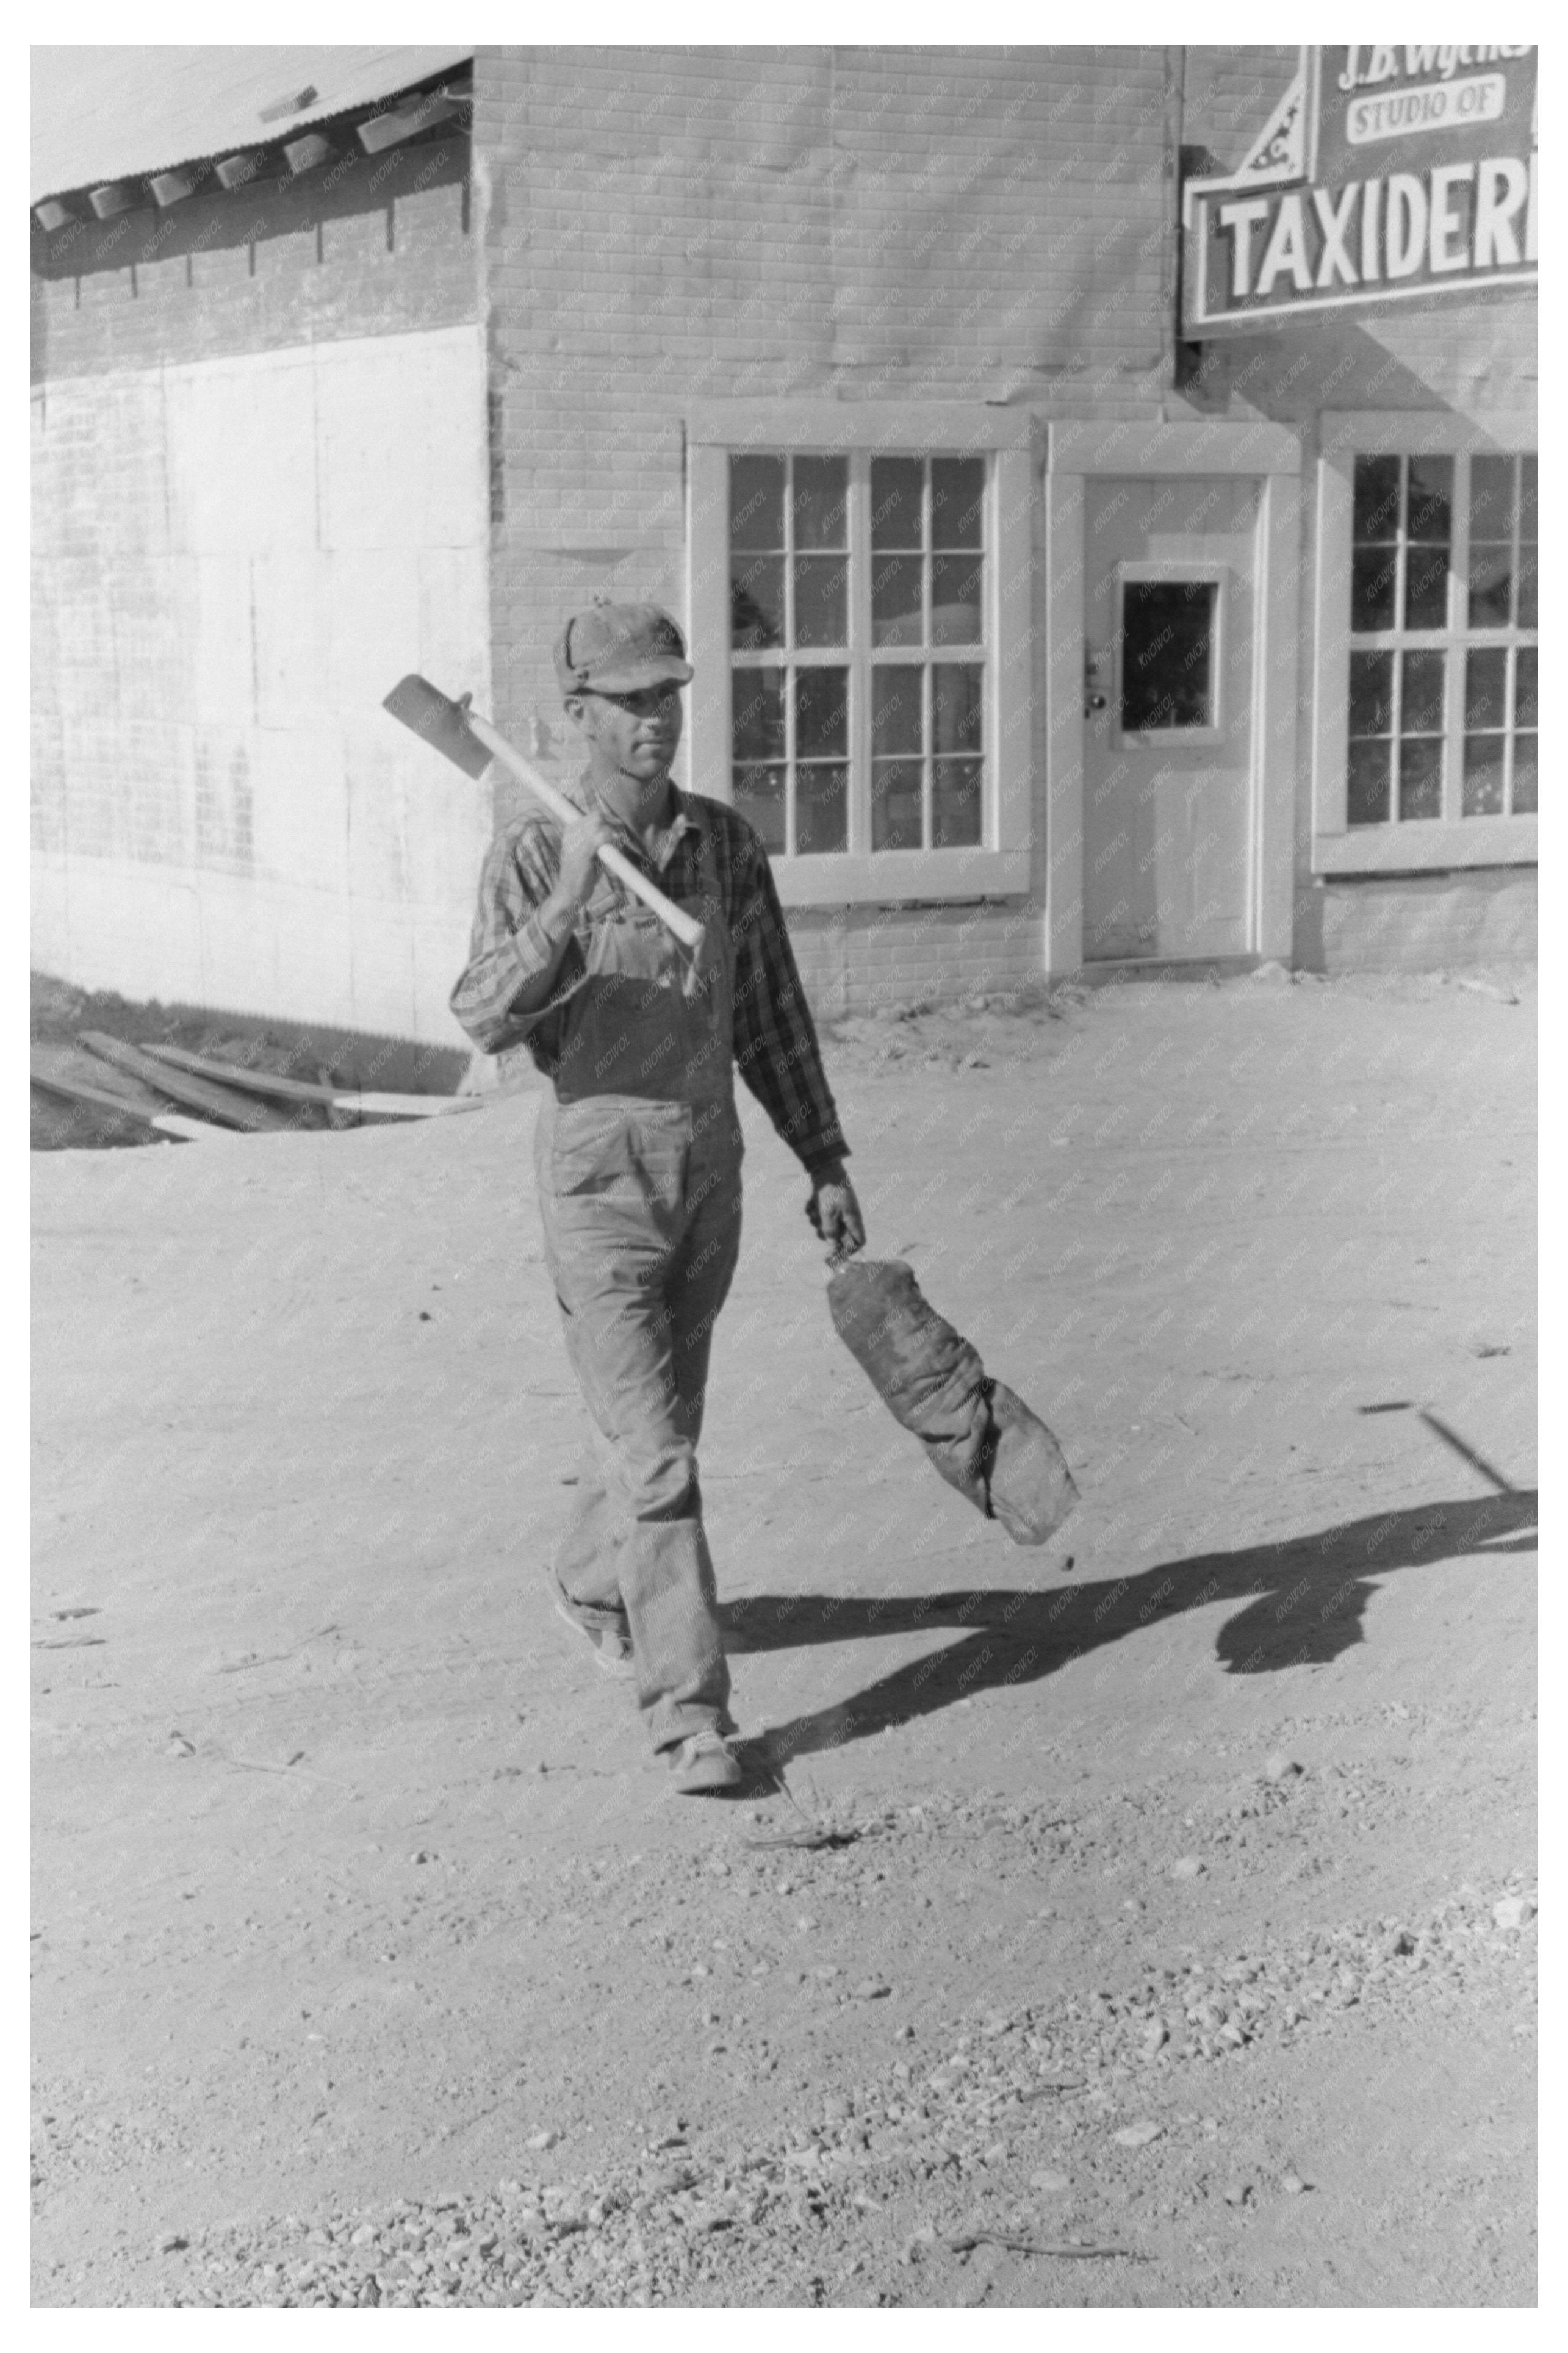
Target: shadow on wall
x=1295, y=369
x=229, y=236
x=1303, y=1600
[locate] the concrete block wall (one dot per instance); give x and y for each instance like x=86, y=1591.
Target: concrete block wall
x=249, y=519
x=665, y=224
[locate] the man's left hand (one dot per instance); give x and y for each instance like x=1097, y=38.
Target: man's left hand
x=835, y=1213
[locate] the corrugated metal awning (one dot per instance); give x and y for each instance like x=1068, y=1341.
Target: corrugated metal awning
x=104, y=114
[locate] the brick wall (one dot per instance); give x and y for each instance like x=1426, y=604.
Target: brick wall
x=1419, y=923
x=667, y=224
x=368, y=245
x=1478, y=356
x=853, y=959
x=1475, y=357
x=1227, y=95
x=661, y=225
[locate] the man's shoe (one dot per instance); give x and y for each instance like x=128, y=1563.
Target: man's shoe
x=704, y=1763
x=612, y=1649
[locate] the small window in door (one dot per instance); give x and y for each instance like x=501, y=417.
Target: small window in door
x=1168, y=649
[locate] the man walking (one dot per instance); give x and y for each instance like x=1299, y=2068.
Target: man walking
x=638, y=1150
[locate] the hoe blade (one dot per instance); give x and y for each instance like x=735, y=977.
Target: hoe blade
x=442, y=722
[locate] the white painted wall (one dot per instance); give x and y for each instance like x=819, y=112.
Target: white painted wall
x=234, y=560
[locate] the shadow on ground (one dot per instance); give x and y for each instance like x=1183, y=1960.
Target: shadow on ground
x=1304, y=1598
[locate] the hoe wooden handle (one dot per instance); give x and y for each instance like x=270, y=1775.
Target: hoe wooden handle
x=686, y=928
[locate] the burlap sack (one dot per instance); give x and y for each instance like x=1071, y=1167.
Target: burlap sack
x=979, y=1435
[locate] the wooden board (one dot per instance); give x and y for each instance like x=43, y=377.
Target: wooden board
x=285, y=1090
x=389, y=1106
x=271, y=1083
x=145, y=1111
x=221, y=1104
x=71, y=1071
x=193, y=1131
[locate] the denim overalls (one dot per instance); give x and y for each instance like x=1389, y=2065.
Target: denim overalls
x=638, y=1159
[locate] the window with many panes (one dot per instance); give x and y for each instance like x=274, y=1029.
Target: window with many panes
x=1443, y=696
x=859, y=649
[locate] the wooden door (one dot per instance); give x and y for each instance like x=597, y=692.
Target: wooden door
x=1168, y=753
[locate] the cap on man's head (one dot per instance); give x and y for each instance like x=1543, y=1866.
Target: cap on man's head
x=616, y=649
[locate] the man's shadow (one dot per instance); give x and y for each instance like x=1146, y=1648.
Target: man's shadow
x=1304, y=1601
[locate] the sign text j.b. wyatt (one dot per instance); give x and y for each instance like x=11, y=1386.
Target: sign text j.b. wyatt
x=1417, y=177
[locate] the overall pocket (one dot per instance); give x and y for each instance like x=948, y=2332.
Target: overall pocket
x=604, y=1146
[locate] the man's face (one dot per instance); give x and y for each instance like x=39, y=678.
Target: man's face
x=638, y=733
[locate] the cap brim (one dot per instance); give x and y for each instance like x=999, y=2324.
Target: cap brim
x=631, y=676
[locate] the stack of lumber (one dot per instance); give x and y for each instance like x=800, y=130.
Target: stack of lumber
x=194, y=1099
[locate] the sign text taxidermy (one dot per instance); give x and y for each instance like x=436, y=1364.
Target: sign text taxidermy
x=1411, y=171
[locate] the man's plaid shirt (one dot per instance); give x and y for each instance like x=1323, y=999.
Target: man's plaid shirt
x=506, y=995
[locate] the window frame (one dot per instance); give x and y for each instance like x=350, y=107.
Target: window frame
x=1408, y=845
x=1000, y=866
x=1175, y=571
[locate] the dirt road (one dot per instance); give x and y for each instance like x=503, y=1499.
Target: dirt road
x=1180, y=1905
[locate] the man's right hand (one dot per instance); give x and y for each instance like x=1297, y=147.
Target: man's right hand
x=580, y=845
